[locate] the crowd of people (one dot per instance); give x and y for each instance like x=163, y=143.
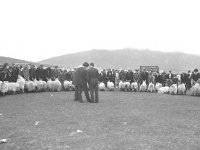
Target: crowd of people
x=31, y=72
x=166, y=79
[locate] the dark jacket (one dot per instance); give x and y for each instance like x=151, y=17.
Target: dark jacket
x=80, y=76
x=129, y=76
x=103, y=77
x=168, y=76
x=32, y=72
x=195, y=77
x=40, y=73
x=92, y=75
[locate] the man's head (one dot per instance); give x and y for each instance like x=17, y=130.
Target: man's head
x=195, y=70
x=85, y=64
x=92, y=64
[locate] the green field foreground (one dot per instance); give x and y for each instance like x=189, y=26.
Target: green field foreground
x=120, y=121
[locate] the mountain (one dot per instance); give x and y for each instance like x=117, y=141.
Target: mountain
x=11, y=60
x=128, y=58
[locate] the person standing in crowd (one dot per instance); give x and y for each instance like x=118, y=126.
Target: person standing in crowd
x=1, y=73
x=15, y=73
x=188, y=80
x=195, y=76
x=92, y=75
x=129, y=76
x=163, y=78
x=169, y=78
x=75, y=84
x=56, y=72
x=25, y=72
x=113, y=77
x=144, y=76
x=151, y=77
x=103, y=77
x=81, y=82
x=4, y=72
x=32, y=72
x=116, y=78
x=110, y=75
x=8, y=73
x=39, y=73
x=122, y=75
x=48, y=73
x=136, y=75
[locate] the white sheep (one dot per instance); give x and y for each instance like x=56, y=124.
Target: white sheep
x=151, y=88
x=21, y=81
x=58, y=85
x=143, y=87
x=50, y=85
x=127, y=86
x=110, y=86
x=102, y=86
x=158, y=86
x=134, y=86
x=67, y=85
x=163, y=90
x=44, y=85
x=72, y=87
x=3, y=88
x=173, y=89
x=121, y=85
x=195, y=90
x=13, y=87
x=30, y=86
x=40, y=86
x=181, y=89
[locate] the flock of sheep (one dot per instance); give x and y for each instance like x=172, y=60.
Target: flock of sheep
x=22, y=86
x=174, y=89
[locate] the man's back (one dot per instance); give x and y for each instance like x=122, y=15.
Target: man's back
x=92, y=75
x=80, y=75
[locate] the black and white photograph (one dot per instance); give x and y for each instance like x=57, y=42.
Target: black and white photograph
x=99, y=75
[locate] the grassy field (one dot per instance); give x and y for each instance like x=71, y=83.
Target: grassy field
x=120, y=121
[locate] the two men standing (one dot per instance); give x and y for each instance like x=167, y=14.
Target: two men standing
x=83, y=76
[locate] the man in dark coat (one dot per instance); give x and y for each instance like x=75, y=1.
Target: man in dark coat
x=110, y=75
x=195, y=76
x=48, y=73
x=32, y=72
x=129, y=76
x=81, y=82
x=144, y=76
x=40, y=73
x=92, y=76
x=169, y=78
x=188, y=80
x=103, y=77
x=15, y=73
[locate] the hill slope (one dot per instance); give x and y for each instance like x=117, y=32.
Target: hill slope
x=128, y=58
x=14, y=60
x=11, y=60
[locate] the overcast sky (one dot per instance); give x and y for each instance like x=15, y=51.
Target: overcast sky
x=39, y=29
